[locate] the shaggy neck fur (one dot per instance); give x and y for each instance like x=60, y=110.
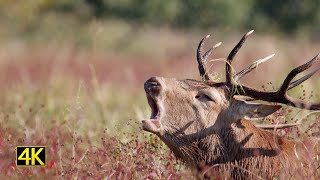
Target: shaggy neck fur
x=239, y=145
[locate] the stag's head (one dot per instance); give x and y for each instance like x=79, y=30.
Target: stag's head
x=183, y=110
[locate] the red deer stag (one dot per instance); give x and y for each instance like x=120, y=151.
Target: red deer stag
x=206, y=122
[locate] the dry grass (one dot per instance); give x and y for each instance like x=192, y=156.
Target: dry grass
x=85, y=106
x=86, y=136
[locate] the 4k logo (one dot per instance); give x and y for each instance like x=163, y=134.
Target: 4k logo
x=31, y=156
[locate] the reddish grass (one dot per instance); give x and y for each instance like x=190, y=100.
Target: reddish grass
x=73, y=155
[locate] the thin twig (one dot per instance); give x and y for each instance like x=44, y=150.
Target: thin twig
x=278, y=126
x=60, y=159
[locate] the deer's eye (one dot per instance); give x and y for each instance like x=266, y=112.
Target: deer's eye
x=204, y=97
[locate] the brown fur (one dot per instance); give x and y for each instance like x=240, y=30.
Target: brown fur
x=215, y=132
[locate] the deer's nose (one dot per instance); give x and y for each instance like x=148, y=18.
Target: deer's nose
x=152, y=86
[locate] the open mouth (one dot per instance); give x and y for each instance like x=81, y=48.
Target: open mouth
x=152, y=88
x=155, y=112
x=153, y=124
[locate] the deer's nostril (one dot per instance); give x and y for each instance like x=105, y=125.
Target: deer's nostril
x=153, y=83
x=152, y=86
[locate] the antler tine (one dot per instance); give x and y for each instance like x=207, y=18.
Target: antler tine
x=232, y=55
x=208, y=53
x=255, y=64
x=200, y=59
x=301, y=80
x=252, y=67
x=286, y=83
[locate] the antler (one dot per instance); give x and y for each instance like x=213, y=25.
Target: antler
x=232, y=54
x=278, y=96
x=202, y=59
x=252, y=67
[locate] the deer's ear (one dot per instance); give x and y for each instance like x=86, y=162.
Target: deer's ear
x=253, y=111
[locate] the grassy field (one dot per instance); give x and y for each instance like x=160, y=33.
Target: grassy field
x=85, y=103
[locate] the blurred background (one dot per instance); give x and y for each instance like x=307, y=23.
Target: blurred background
x=127, y=41
x=79, y=65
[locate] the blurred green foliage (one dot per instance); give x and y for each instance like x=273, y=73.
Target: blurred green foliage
x=288, y=16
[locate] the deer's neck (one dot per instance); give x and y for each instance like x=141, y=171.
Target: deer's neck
x=249, y=141
x=240, y=142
